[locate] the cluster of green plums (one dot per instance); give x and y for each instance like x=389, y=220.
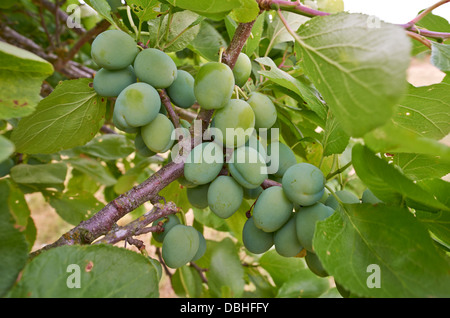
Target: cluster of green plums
x=133, y=76
x=232, y=166
x=283, y=217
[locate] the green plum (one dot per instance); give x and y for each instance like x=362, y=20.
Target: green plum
x=137, y=105
x=168, y=223
x=304, y=183
x=272, y=209
x=286, y=241
x=236, y=123
x=141, y=147
x=264, y=109
x=204, y=163
x=214, y=85
x=315, y=265
x=242, y=69
x=247, y=167
x=343, y=195
x=256, y=240
x=181, y=92
x=369, y=197
x=180, y=245
x=114, y=50
x=110, y=83
x=225, y=196
x=280, y=158
x=198, y=196
x=306, y=218
x=155, y=67
x=157, y=134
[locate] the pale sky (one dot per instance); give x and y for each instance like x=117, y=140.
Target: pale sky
x=395, y=11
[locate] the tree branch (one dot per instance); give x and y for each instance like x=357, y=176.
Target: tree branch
x=139, y=226
x=70, y=70
x=424, y=13
x=62, y=16
x=297, y=7
x=103, y=221
x=165, y=100
x=241, y=35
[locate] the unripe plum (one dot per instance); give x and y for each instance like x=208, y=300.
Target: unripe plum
x=286, y=241
x=114, y=50
x=198, y=196
x=247, y=167
x=242, y=69
x=214, y=85
x=272, y=209
x=256, y=240
x=181, y=92
x=304, y=183
x=157, y=134
x=203, y=163
x=264, y=109
x=305, y=220
x=225, y=196
x=236, y=121
x=137, y=105
x=155, y=67
x=110, y=83
x=180, y=245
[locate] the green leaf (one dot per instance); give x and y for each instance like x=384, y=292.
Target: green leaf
x=225, y=275
x=252, y=43
x=417, y=166
x=183, y=28
x=437, y=223
x=49, y=173
x=395, y=139
x=14, y=247
x=104, y=9
x=359, y=70
x=18, y=206
x=144, y=9
x=242, y=10
x=425, y=110
x=187, y=282
x=277, y=32
x=286, y=80
x=208, y=42
x=246, y=11
x=103, y=271
x=21, y=74
x=434, y=23
x=276, y=266
x=74, y=208
x=440, y=56
x=175, y=193
x=108, y=147
x=94, y=169
x=387, y=182
x=304, y=284
x=367, y=239
x=421, y=119
x=6, y=148
x=70, y=116
x=335, y=140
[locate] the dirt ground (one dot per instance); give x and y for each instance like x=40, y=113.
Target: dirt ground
x=50, y=226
